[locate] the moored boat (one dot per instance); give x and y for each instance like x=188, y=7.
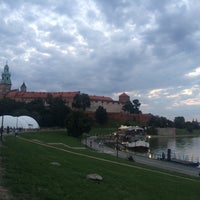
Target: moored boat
x=139, y=145
x=133, y=138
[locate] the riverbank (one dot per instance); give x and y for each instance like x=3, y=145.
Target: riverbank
x=174, y=167
x=170, y=136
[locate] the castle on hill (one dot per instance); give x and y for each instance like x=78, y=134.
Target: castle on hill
x=23, y=95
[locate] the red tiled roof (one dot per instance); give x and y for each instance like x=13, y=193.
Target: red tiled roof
x=32, y=95
x=123, y=94
x=43, y=95
x=63, y=94
x=100, y=98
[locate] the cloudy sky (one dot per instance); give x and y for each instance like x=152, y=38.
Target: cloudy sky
x=149, y=49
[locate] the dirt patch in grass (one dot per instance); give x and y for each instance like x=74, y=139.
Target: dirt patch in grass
x=5, y=194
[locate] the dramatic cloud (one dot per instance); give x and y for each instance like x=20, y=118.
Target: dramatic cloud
x=149, y=49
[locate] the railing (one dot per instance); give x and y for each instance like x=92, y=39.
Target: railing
x=174, y=155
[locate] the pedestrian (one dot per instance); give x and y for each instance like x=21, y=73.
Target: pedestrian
x=16, y=132
x=8, y=130
x=163, y=156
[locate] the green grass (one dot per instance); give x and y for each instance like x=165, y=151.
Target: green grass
x=30, y=174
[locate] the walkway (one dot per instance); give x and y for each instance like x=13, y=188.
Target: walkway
x=179, y=168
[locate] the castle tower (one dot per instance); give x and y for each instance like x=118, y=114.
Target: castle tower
x=5, y=82
x=123, y=98
x=23, y=87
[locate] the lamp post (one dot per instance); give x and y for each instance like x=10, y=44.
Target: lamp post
x=16, y=129
x=117, y=135
x=2, y=128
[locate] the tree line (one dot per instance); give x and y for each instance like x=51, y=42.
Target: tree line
x=53, y=112
x=159, y=121
x=178, y=122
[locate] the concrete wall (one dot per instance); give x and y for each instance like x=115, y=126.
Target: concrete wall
x=166, y=131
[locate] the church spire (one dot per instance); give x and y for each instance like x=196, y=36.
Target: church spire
x=6, y=76
x=5, y=82
x=23, y=87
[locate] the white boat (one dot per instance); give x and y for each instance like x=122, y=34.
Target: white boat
x=139, y=145
x=133, y=137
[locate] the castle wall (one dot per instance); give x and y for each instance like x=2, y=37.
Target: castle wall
x=123, y=117
x=166, y=131
x=4, y=89
x=110, y=106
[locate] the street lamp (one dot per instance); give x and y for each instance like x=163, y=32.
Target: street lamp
x=2, y=118
x=16, y=129
x=117, y=146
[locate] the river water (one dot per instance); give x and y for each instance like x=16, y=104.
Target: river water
x=184, y=148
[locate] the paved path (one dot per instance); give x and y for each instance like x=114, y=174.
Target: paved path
x=192, y=171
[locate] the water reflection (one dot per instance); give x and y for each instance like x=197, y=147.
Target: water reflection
x=187, y=148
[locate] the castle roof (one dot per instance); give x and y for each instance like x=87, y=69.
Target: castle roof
x=15, y=94
x=100, y=98
x=123, y=95
x=43, y=95
x=23, y=85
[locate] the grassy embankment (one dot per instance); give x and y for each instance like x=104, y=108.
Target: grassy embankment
x=36, y=171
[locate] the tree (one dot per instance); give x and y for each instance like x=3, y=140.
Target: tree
x=189, y=126
x=81, y=101
x=101, y=115
x=136, y=106
x=36, y=105
x=59, y=111
x=37, y=110
x=161, y=122
x=78, y=123
x=179, y=122
x=51, y=114
x=195, y=124
x=132, y=107
x=49, y=99
x=128, y=107
x=7, y=106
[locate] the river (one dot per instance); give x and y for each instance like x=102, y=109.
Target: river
x=184, y=148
